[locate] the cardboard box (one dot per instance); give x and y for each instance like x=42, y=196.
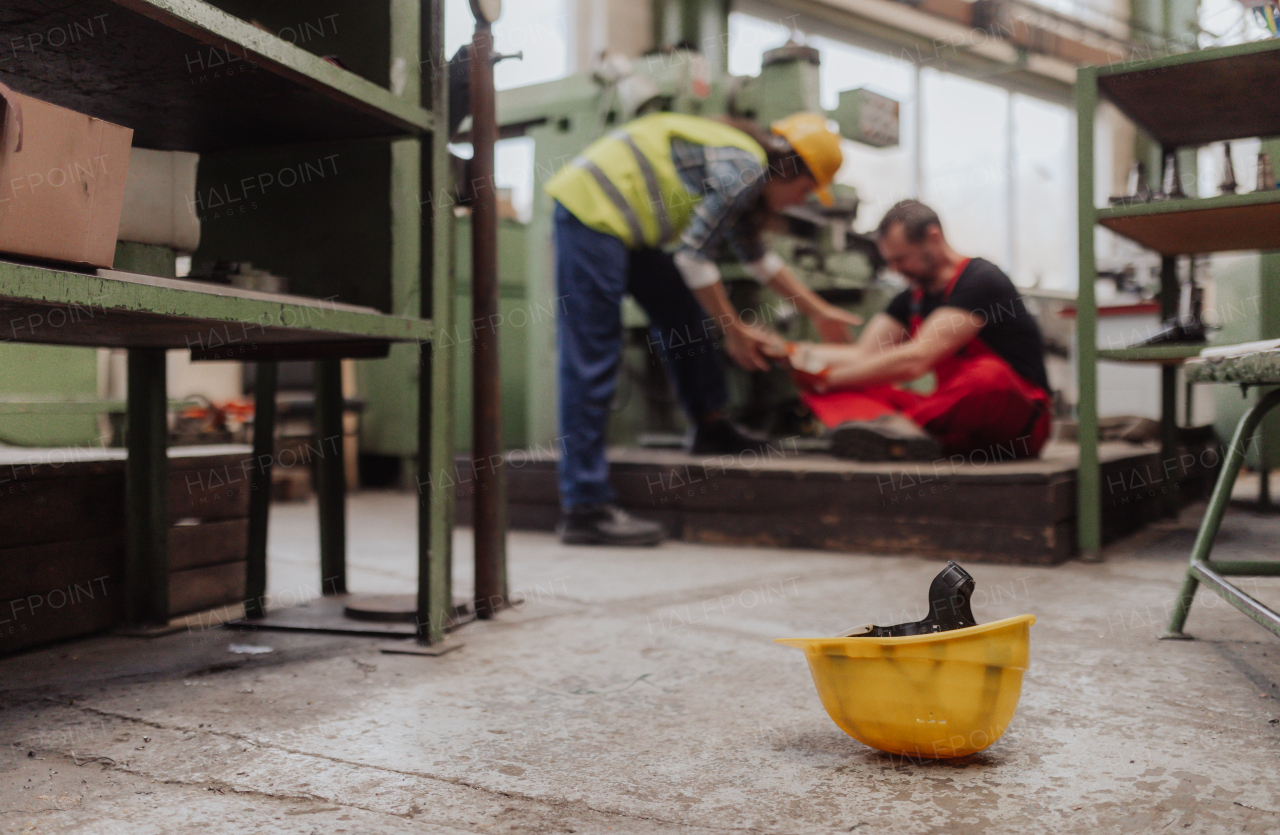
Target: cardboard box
x=62, y=177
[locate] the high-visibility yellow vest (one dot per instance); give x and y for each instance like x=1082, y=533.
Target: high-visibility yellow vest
x=625, y=184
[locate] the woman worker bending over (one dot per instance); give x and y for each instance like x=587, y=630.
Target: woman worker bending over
x=671, y=181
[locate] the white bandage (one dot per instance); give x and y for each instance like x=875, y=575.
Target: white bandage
x=696, y=272
x=766, y=268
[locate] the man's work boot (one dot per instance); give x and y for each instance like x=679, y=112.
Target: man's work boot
x=606, y=524
x=887, y=438
x=722, y=437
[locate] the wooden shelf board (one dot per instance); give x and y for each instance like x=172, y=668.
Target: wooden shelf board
x=1205, y=96
x=1162, y=354
x=187, y=76
x=1200, y=225
x=44, y=305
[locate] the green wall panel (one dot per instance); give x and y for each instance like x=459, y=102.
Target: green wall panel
x=48, y=371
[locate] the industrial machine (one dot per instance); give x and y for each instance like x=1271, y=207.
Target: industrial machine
x=562, y=117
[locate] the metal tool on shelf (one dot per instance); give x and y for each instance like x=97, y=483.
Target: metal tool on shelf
x=1266, y=176
x=1172, y=177
x=1136, y=188
x=1228, y=184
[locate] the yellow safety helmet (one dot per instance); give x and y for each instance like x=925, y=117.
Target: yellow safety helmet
x=940, y=687
x=817, y=145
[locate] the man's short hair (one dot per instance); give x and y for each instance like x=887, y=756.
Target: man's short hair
x=915, y=217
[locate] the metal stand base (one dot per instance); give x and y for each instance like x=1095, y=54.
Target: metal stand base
x=415, y=648
x=328, y=615
x=1214, y=574
x=144, y=631
x=383, y=608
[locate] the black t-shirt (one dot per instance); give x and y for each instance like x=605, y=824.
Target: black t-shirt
x=1010, y=330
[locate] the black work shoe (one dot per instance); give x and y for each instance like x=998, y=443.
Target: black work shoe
x=887, y=438
x=606, y=524
x=722, y=437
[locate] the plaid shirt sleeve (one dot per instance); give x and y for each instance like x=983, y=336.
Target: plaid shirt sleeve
x=730, y=181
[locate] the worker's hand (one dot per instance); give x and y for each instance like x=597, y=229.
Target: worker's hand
x=750, y=347
x=833, y=323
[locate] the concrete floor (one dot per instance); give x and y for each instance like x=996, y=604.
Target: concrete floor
x=638, y=691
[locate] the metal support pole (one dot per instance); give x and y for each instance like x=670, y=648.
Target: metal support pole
x=435, y=598
x=435, y=375
x=1264, y=472
x=1011, y=184
x=331, y=480
x=486, y=445
x=1169, y=295
x=264, y=431
x=1088, y=486
x=147, y=491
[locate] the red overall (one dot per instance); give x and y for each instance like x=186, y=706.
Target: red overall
x=980, y=402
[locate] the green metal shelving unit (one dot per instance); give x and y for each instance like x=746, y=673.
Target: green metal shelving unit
x=1180, y=101
x=154, y=67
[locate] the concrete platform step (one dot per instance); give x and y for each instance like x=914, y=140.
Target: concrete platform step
x=990, y=508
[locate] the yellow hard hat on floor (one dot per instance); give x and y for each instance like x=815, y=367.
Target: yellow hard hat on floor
x=817, y=145
x=939, y=687
x=945, y=694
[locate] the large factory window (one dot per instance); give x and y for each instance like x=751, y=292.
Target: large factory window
x=1043, y=212
x=965, y=161
x=999, y=167
x=1106, y=15
x=749, y=37
x=882, y=176
x=539, y=30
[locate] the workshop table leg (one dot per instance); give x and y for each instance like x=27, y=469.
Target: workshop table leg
x=264, y=421
x=1169, y=295
x=331, y=485
x=435, y=393
x=1217, y=508
x=1264, y=473
x=1088, y=487
x=147, y=490
x=1169, y=438
x=435, y=598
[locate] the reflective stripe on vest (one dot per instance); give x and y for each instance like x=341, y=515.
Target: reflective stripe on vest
x=615, y=196
x=650, y=184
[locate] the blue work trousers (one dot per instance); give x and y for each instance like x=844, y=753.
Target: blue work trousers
x=593, y=272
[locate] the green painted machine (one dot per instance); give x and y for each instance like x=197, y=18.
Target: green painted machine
x=563, y=117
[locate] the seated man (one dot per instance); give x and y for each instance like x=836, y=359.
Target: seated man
x=962, y=319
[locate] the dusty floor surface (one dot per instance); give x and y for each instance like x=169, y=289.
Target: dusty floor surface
x=638, y=691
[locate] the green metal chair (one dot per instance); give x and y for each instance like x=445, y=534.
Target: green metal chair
x=1252, y=368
